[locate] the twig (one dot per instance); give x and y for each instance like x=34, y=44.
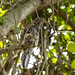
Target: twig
x=42, y=46
x=46, y=63
x=45, y=46
x=14, y=67
x=42, y=68
x=17, y=47
x=2, y=70
x=59, y=55
x=49, y=22
x=53, y=15
x=36, y=11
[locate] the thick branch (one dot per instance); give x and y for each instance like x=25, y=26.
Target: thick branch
x=22, y=10
x=16, y=47
x=64, y=16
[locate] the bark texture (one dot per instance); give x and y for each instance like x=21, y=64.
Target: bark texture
x=21, y=10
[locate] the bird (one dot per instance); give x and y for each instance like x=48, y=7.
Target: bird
x=31, y=36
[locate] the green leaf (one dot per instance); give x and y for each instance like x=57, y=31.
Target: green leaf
x=73, y=64
x=71, y=47
x=66, y=65
x=1, y=44
x=49, y=55
x=6, y=54
x=64, y=73
x=54, y=60
x=67, y=37
x=2, y=12
x=69, y=28
x=55, y=18
x=19, y=25
x=29, y=18
x=19, y=60
x=1, y=20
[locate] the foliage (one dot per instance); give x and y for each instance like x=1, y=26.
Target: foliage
x=60, y=41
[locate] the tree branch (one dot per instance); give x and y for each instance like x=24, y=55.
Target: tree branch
x=64, y=16
x=16, y=47
x=22, y=10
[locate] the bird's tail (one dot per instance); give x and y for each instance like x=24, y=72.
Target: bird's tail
x=25, y=59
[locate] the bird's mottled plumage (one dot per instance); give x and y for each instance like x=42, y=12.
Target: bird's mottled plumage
x=31, y=36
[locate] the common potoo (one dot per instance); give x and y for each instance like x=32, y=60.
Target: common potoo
x=31, y=36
